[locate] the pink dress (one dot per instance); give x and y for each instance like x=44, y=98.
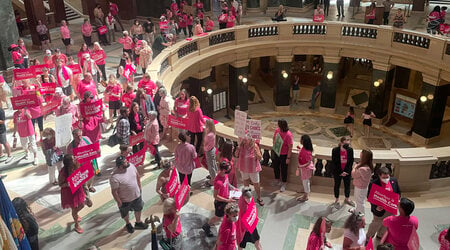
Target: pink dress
x=91, y=127
x=303, y=157
x=69, y=200
x=247, y=161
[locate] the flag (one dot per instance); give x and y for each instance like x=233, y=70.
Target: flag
x=369, y=245
x=11, y=220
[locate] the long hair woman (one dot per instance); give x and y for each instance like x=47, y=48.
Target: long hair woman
x=227, y=155
x=281, y=162
x=28, y=221
x=209, y=147
x=362, y=174
x=315, y=240
x=306, y=165
x=195, y=122
x=354, y=234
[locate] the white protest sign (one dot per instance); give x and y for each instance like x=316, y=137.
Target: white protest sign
x=240, y=118
x=254, y=129
x=63, y=130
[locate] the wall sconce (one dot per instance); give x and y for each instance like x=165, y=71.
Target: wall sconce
x=244, y=80
x=209, y=91
x=423, y=99
x=330, y=75
x=240, y=77
x=376, y=84
x=430, y=96
x=203, y=89
x=284, y=74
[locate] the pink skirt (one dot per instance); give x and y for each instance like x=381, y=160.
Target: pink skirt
x=69, y=200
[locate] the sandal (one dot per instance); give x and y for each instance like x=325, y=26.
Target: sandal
x=302, y=199
x=260, y=202
x=79, y=230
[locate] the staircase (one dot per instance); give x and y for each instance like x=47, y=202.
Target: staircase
x=71, y=13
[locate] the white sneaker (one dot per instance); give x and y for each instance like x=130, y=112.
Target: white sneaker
x=35, y=161
x=283, y=188
x=9, y=159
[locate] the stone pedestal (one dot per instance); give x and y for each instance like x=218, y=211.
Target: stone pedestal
x=238, y=94
x=8, y=35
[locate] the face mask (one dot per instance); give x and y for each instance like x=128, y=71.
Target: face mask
x=385, y=181
x=234, y=219
x=346, y=146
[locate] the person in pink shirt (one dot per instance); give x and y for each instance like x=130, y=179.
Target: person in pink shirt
x=127, y=43
x=69, y=108
x=113, y=91
x=243, y=236
x=226, y=240
x=182, y=23
x=172, y=223
x=128, y=97
x=99, y=56
x=163, y=111
x=317, y=239
x=444, y=239
x=402, y=229
x=55, y=57
x=223, y=20
x=114, y=9
x=226, y=154
x=198, y=28
x=200, y=16
x=189, y=22
x=306, y=166
x=209, y=148
x=48, y=59
x=249, y=156
x=36, y=113
x=231, y=20
x=24, y=126
x=151, y=134
x=209, y=24
x=65, y=35
x=181, y=105
x=17, y=56
x=84, y=50
x=174, y=7
x=148, y=85
x=184, y=158
x=281, y=162
x=195, y=122
x=87, y=84
x=23, y=51
x=221, y=197
x=86, y=30
x=91, y=124
x=163, y=178
x=361, y=178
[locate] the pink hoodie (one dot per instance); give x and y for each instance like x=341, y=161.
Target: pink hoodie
x=361, y=177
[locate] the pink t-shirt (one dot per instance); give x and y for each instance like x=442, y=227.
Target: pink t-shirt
x=149, y=87
x=23, y=124
x=314, y=242
x=227, y=235
x=209, y=141
x=195, y=121
x=303, y=157
x=361, y=177
x=114, y=89
x=400, y=229
x=184, y=158
x=152, y=132
x=247, y=161
x=128, y=98
x=127, y=42
x=221, y=185
x=343, y=158
x=181, y=106
x=230, y=21
x=445, y=244
x=84, y=86
x=287, y=140
x=65, y=32
x=167, y=220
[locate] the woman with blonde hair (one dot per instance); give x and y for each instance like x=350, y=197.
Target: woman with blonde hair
x=195, y=122
x=164, y=111
x=209, y=147
x=171, y=223
x=99, y=56
x=354, y=234
x=113, y=92
x=362, y=174
x=145, y=55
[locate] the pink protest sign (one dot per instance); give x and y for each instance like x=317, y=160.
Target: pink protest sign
x=182, y=193
x=318, y=18
x=87, y=153
x=52, y=105
x=250, y=217
x=76, y=69
x=135, y=139
x=177, y=122
x=386, y=199
x=369, y=245
x=21, y=74
x=102, y=30
x=38, y=68
x=91, y=109
x=47, y=88
x=137, y=158
x=80, y=176
x=172, y=184
x=23, y=101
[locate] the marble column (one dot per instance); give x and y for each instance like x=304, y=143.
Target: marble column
x=88, y=8
x=294, y=3
x=238, y=84
x=430, y=109
x=35, y=11
x=380, y=89
x=8, y=35
x=57, y=6
x=253, y=4
x=281, y=91
x=330, y=80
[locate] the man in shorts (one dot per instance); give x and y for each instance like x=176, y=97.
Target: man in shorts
x=221, y=196
x=3, y=140
x=126, y=189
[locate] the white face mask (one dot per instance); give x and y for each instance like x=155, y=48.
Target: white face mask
x=386, y=181
x=234, y=219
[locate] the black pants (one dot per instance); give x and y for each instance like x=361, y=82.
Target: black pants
x=138, y=147
x=157, y=156
x=337, y=185
x=102, y=38
x=102, y=69
x=199, y=140
x=326, y=6
x=40, y=122
x=181, y=176
x=119, y=22
x=190, y=30
x=87, y=40
x=279, y=165
x=340, y=7
x=182, y=29
x=222, y=25
x=385, y=18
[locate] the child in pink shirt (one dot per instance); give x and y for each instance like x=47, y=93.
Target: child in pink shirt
x=24, y=126
x=171, y=222
x=226, y=239
x=306, y=165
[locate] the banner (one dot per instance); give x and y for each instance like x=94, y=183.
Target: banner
x=80, y=176
x=172, y=184
x=47, y=88
x=87, y=152
x=370, y=244
x=98, y=56
x=318, y=18
x=102, y=30
x=50, y=106
x=277, y=145
x=22, y=74
x=253, y=128
x=182, y=193
x=63, y=130
x=76, y=69
x=38, y=68
x=135, y=139
x=137, y=158
x=386, y=199
x=240, y=119
x=250, y=217
x=197, y=163
x=177, y=122
x=91, y=109
x=209, y=118
x=23, y=101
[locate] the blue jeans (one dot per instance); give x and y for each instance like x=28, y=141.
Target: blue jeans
x=313, y=101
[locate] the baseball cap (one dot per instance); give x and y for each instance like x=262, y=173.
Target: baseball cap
x=120, y=160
